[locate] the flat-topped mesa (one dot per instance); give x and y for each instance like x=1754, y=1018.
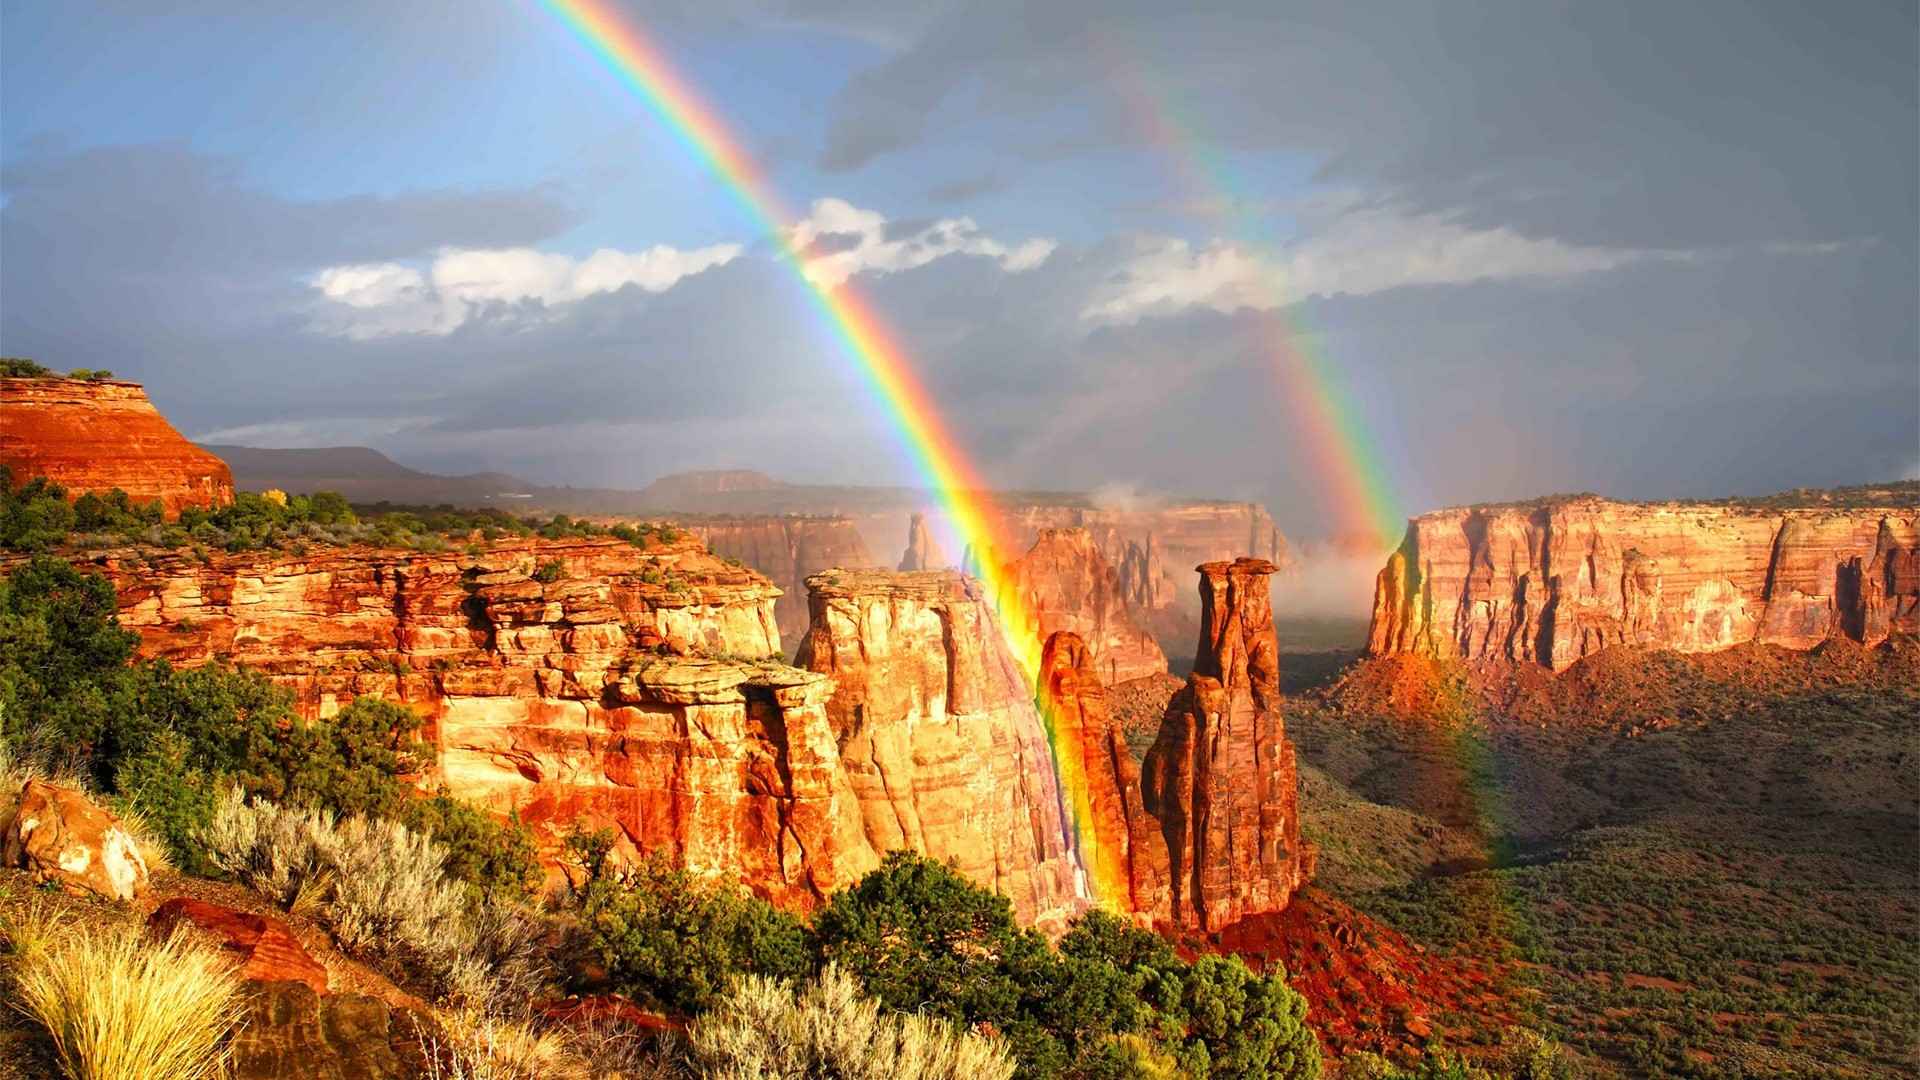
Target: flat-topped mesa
x=97, y=435
x=939, y=735
x=1554, y=582
x=1220, y=779
x=789, y=548
x=1064, y=584
x=923, y=551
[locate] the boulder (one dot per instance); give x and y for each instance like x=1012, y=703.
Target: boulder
x=265, y=947
x=291, y=1033
x=60, y=835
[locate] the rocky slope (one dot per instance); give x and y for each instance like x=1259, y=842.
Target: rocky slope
x=62, y=428
x=1063, y=584
x=1550, y=583
x=939, y=737
x=789, y=550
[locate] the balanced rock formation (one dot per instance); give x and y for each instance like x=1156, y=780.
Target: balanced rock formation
x=923, y=551
x=1220, y=779
x=1064, y=584
x=788, y=549
x=96, y=435
x=1550, y=583
x=62, y=837
x=938, y=734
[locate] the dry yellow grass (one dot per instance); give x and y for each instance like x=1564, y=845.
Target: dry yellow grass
x=119, y=1006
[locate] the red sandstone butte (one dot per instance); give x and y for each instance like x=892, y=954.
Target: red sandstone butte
x=96, y=435
x=1220, y=779
x=1551, y=583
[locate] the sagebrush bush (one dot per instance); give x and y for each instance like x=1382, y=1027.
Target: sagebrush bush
x=383, y=891
x=765, y=1029
x=120, y=1006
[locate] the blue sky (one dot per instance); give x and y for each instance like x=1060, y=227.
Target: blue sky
x=1642, y=249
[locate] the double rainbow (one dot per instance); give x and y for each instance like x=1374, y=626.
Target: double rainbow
x=936, y=455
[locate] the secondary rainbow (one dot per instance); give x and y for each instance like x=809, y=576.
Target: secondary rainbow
x=1333, y=430
x=936, y=455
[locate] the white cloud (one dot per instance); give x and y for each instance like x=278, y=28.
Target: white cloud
x=843, y=240
x=368, y=300
x=1350, y=249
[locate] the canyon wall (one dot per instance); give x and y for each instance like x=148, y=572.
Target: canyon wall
x=788, y=549
x=1064, y=584
x=96, y=435
x=1548, y=584
x=1150, y=549
x=940, y=739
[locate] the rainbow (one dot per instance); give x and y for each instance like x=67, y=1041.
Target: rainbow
x=1341, y=448
x=935, y=453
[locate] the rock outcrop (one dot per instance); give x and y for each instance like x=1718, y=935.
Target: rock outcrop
x=938, y=734
x=1120, y=846
x=1064, y=584
x=1220, y=779
x=96, y=435
x=923, y=552
x=289, y=1032
x=263, y=947
x=788, y=549
x=60, y=836
x=1550, y=583
x=1150, y=547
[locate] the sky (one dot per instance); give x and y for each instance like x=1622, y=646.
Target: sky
x=1645, y=249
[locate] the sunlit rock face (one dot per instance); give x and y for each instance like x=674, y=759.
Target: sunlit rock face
x=1220, y=780
x=1064, y=584
x=99, y=435
x=1552, y=583
x=939, y=736
x=788, y=549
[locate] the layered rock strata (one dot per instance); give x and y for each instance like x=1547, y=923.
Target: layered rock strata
x=1063, y=584
x=1220, y=779
x=939, y=736
x=1548, y=584
x=788, y=550
x=97, y=435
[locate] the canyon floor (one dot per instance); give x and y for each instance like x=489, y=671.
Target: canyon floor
x=1686, y=866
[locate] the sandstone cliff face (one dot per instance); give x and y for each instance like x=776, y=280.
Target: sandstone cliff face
x=621, y=694
x=1118, y=843
x=939, y=736
x=1550, y=584
x=1151, y=548
x=789, y=550
x=1220, y=779
x=96, y=436
x=1063, y=584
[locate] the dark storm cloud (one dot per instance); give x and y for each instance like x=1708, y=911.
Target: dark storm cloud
x=1640, y=124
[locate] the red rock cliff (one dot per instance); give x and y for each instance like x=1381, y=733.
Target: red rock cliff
x=1550, y=584
x=97, y=435
x=1220, y=779
x=789, y=549
x=1064, y=584
x=939, y=735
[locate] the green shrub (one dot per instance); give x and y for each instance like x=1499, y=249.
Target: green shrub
x=549, y=572
x=492, y=857
x=666, y=937
x=19, y=367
